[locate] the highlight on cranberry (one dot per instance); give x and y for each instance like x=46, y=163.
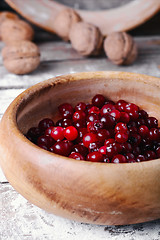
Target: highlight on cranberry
x=100, y=131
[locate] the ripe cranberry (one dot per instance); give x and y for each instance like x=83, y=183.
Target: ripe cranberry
x=48, y=131
x=89, y=138
x=111, y=150
x=140, y=158
x=158, y=152
x=143, y=114
x=116, y=114
x=45, y=140
x=150, y=155
x=131, y=161
x=66, y=110
x=66, y=122
x=95, y=157
x=109, y=141
x=70, y=133
x=76, y=156
x=82, y=132
x=126, y=147
x=81, y=106
x=102, y=135
x=120, y=105
x=94, y=126
x=102, y=150
x=131, y=124
x=80, y=149
x=88, y=107
x=121, y=137
x=136, y=151
x=140, y=122
x=33, y=133
x=43, y=146
x=143, y=131
x=59, y=123
x=61, y=148
x=134, y=139
x=119, y=159
x=57, y=133
x=153, y=134
x=80, y=124
x=45, y=123
x=129, y=156
x=108, y=121
x=98, y=100
x=131, y=107
x=133, y=130
x=124, y=117
x=152, y=122
x=106, y=160
x=107, y=108
x=94, y=110
x=120, y=127
x=133, y=115
x=94, y=147
x=79, y=116
x=92, y=117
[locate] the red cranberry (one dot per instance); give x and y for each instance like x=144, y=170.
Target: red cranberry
x=143, y=131
x=59, y=123
x=43, y=146
x=109, y=141
x=92, y=117
x=121, y=127
x=66, y=122
x=133, y=130
x=76, y=156
x=116, y=114
x=57, y=133
x=81, y=106
x=45, y=140
x=48, y=131
x=152, y=122
x=124, y=117
x=70, y=133
x=94, y=147
x=153, y=134
x=88, y=107
x=131, y=124
x=140, y=158
x=98, y=100
x=119, y=159
x=94, y=126
x=89, y=138
x=79, y=116
x=61, y=148
x=94, y=110
x=140, y=122
x=142, y=114
x=131, y=107
x=133, y=115
x=80, y=149
x=134, y=139
x=120, y=105
x=102, y=150
x=102, y=135
x=126, y=147
x=82, y=132
x=111, y=150
x=136, y=151
x=66, y=110
x=158, y=152
x=45, y=123
x=108, y=121
x=95, y=157
x=121, y=137
x=80, y=124
x=129, y=156
x=107, y=108
x=106, y=160
x=150, y=155
x=33, y=133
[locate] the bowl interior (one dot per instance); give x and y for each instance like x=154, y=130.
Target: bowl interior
x=43, y=99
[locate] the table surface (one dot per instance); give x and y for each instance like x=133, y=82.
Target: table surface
x=20, y=219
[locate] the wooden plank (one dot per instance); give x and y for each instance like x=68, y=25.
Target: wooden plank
x=21, y=220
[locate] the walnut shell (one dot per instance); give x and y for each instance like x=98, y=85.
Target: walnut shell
x=16, y=30
x=120, y=48
x=86, y=38
x=6, y=15
x=64, y=21
x=21, y=57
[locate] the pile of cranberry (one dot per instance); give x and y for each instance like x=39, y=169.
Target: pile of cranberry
x=103, y=131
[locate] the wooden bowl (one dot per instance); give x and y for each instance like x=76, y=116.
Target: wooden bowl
x=99, y=193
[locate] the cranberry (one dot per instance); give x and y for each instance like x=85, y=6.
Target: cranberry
x=150, y=155
x=89, y=138
x=134, y=139
x=33, y=133
x=94, y=147
x=131, y=161
x=152, y=122
x=95, y=157
x=98, y=100
x=94, y=126
x=109, y=141
x=59, y=123
x=143, y=114
x=108, y=121
x=102, y=150
x=158, y=152
x=116, y=114
x=133, y=115
x=111, y=150
x=79, y=116
x=131, y=107
x=143, y=131
x=82, y=132
x=80, y=149
x=119, y=159
x=129, y=156
x=45, y=123
x=121, y=137
x=124, y=117
x=66, y=110
x=120, y=105
x=153, y=134
x=126, y=147
x=107, y=108
x=80, y=124
x=140, y=158
x=45, y=140
x=81, y=106
x=94, y=110
x=131, y=124
x=106, y=160
x=70, y=133
x=133, y=130
x=140, y=122
x=121, y=127
x=102, y=135
x=136, y=151
x=48, y=131
x=61, y=148
x=92, y=117
x=43, y=146
x=88, y=107
x=57, y=133
x=76, y=156
x=66, y=122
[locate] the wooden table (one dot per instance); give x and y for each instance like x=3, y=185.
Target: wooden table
x=18, y=218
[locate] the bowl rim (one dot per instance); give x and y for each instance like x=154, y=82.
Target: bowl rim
x=11, y=112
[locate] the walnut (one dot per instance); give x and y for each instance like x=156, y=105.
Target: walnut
x=16, y=30
x=63, y=22
x=120, y=48
x=21, y=57
x=6, y=15
x=86, y=39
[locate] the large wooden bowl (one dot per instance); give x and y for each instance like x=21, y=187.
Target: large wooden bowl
x=97, y=193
